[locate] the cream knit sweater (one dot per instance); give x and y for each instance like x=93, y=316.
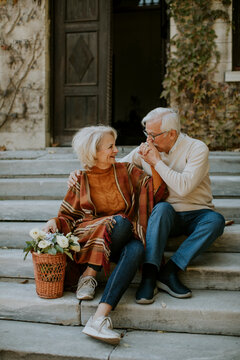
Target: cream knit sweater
x=185, y=170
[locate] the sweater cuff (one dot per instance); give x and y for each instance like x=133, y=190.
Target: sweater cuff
x=160, y=167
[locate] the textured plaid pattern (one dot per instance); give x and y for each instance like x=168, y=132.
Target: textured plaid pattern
x=78, y=214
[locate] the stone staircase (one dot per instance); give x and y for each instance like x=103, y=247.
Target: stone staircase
x=206, y=326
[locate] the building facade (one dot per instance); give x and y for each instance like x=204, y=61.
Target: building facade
x=71, y=63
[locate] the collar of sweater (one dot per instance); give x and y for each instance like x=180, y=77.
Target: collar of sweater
x=181, y=136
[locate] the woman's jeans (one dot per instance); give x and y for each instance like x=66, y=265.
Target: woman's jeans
x=201, y=226
x=128, y=253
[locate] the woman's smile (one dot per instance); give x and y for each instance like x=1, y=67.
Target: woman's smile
x=107, y=152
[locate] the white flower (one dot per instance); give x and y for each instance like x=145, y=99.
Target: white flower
x=43, y=244
x=68, y=234
x=74, y=239
x=49, y=236
x=42, y=234
x=34, y=233
x=62, y=241
x=37, y=234
x=75, y=247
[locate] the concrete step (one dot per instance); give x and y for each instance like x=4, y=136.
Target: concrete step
x=24, y=340
x=62, y=161
x=14, y=234
x=41, y=210
x=33, y=188
x=56, y=188
x=225, y=186
x=28, y=210
x=39, y=167
x=21, y=302
x=218, y=271
x=229, y=208
x=54, y=152
x=224, y=162
x=63, y=153
x=208, y=311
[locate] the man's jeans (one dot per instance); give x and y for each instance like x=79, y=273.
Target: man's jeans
x=201, y=226
x=128, y=253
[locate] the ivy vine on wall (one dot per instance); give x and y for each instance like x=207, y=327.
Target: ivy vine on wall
x=209, y=110
x=20, y=50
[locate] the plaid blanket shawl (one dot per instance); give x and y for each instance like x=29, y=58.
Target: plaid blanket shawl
x=78, y=214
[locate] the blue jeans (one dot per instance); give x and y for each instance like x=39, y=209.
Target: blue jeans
x=201, y=226
x=128, y=253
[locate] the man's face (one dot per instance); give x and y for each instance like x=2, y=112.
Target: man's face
x=163, y=141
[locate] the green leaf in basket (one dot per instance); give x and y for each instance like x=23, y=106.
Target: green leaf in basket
x=68, y=254
x=59, y=249
x=52, y=251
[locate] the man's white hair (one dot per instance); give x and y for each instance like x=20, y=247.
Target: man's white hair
x=168, y=117
x=86, y=143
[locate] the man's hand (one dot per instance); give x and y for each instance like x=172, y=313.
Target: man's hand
x=50, y=226
x=149, y=153
x=73, y=178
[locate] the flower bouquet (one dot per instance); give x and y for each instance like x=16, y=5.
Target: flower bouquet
x=49, y=251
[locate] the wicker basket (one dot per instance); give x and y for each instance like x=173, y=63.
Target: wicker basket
x=49, y=272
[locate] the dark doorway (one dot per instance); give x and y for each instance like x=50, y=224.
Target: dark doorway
x=139, y=55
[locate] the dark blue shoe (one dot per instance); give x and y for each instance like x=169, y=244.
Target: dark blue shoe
x=170, y=283
x=146, y=291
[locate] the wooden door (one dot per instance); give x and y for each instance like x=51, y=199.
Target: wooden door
x=81, y=61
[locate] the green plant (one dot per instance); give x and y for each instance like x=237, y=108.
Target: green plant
x=51, y=243
x=208, y=109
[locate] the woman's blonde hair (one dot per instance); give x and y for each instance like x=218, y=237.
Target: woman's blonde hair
x=86, y=143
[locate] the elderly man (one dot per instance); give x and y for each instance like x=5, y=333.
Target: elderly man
x=182, y=162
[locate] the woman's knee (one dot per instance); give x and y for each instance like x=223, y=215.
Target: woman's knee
x=122, y=222
x=122, y=227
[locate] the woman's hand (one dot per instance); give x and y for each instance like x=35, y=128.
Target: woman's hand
x=50, y=226
x=149, y=153
x=73, y=178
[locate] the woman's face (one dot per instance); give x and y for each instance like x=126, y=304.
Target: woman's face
x=106, y=152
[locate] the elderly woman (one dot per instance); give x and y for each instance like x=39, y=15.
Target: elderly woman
x=107, y=209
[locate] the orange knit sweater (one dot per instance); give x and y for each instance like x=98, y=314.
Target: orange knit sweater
x=104, y=192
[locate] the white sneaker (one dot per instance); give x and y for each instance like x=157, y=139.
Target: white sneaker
x=86, y=288
x=101, y=329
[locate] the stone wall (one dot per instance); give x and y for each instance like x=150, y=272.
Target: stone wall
x=223, y=41
x=224, y=44
x=23, y=74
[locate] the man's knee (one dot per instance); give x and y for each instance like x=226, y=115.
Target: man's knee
x=163, y=209
x=216, y=223
x=219, y=223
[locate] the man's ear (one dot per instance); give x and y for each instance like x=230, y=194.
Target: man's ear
x=173, y=134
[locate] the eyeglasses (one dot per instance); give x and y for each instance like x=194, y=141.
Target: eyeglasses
x=153, y=136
